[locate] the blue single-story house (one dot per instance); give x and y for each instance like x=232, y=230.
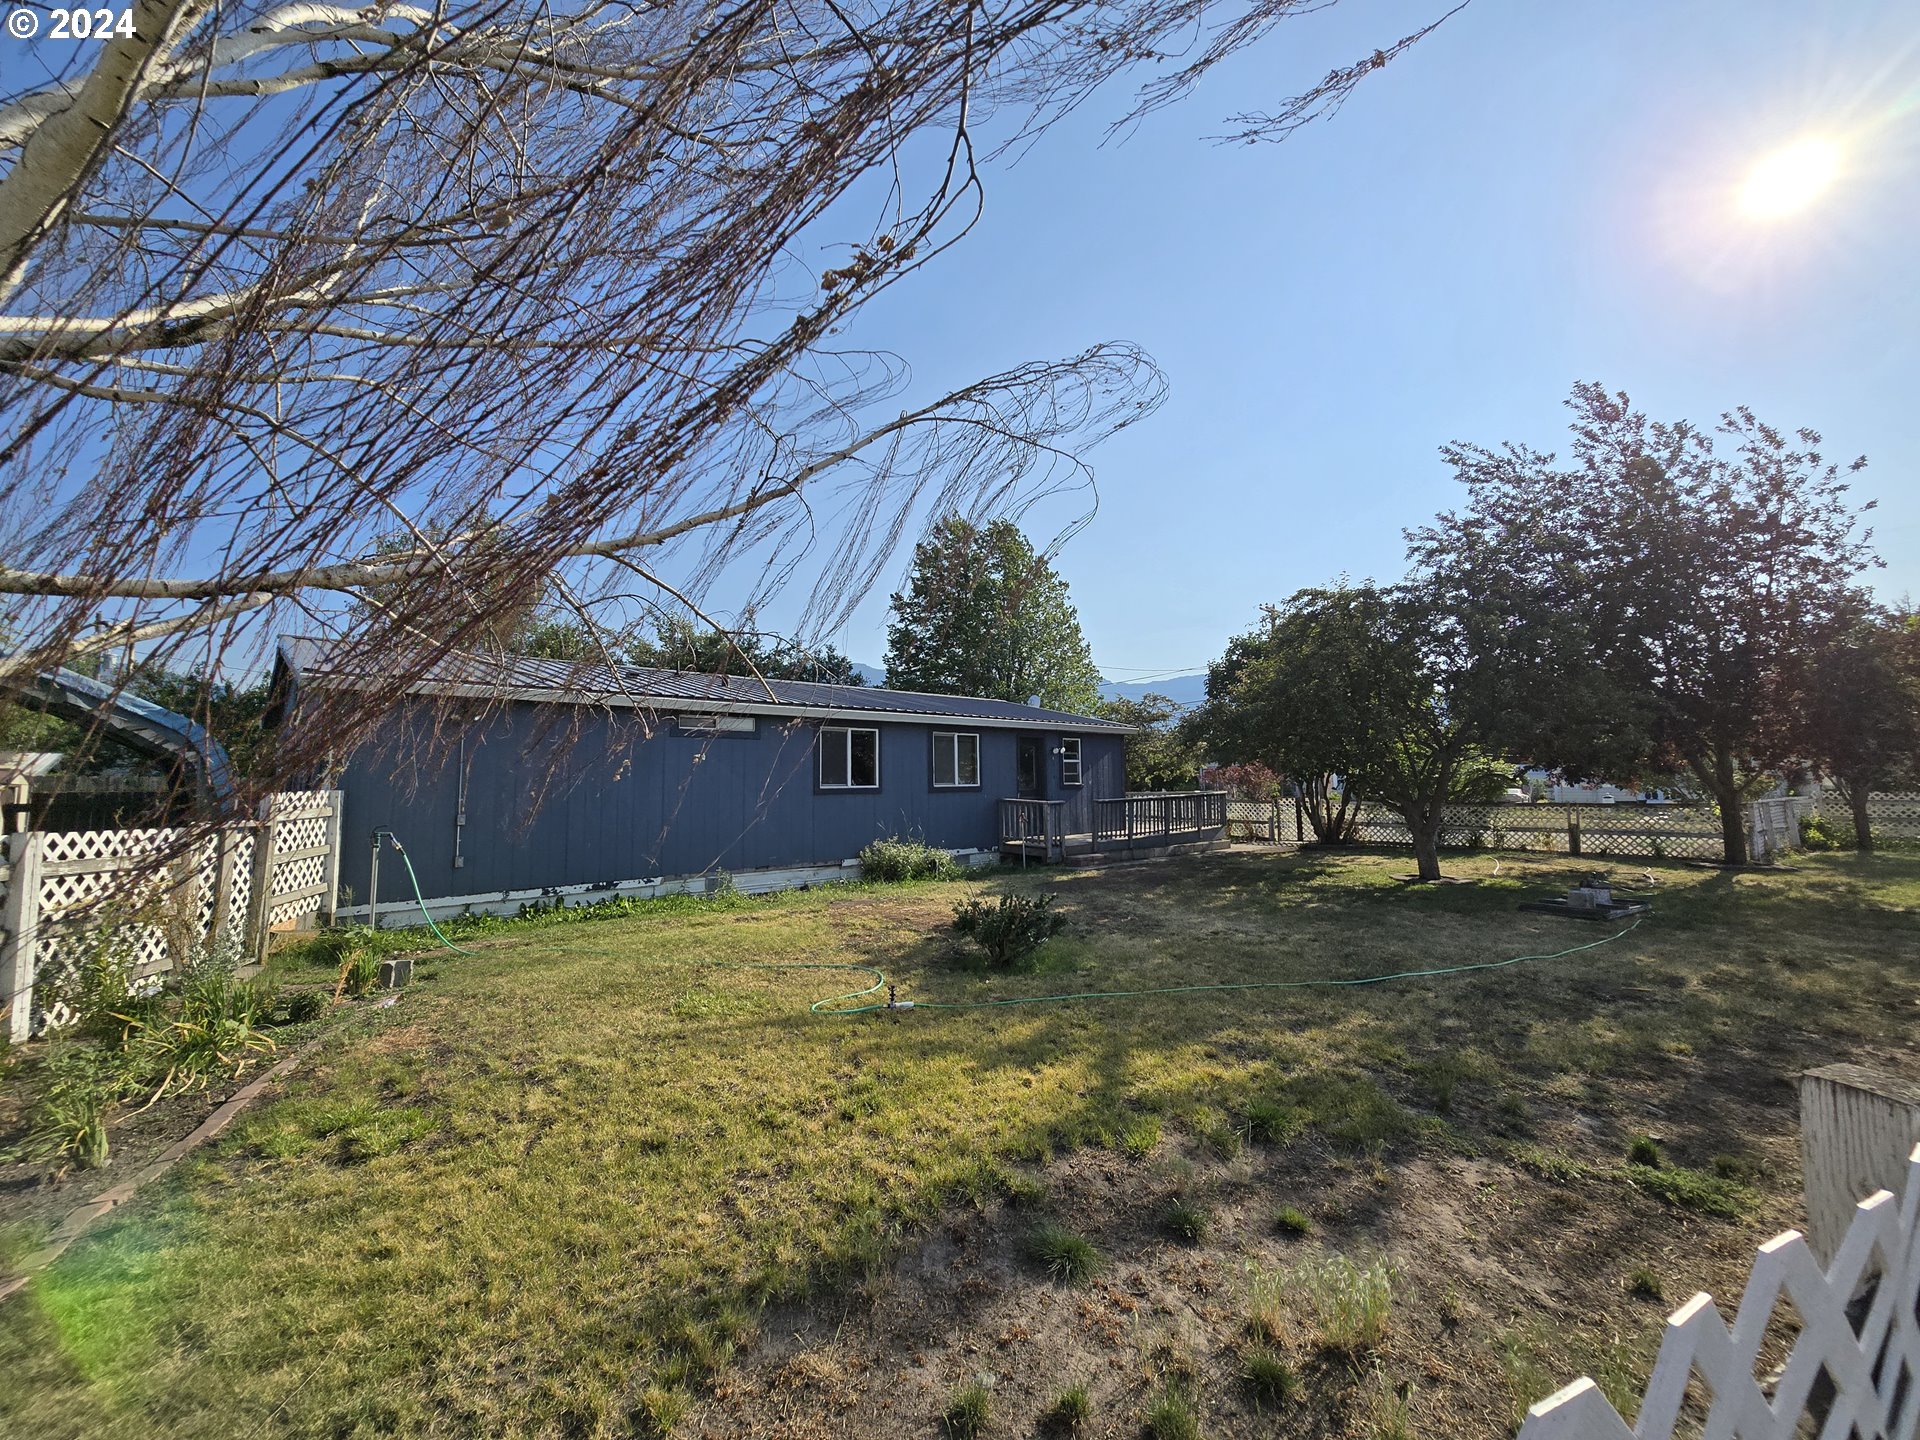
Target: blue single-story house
x=562, y=778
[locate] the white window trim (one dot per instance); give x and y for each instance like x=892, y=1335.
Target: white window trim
x=849, y=731
x=1079, y=770
x=956, y=783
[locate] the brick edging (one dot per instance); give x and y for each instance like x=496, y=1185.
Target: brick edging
x=81, y=1218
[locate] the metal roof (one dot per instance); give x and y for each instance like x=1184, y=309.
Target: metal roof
x=137, y=723
x=325, y=663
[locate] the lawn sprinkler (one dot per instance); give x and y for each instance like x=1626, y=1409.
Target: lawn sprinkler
x=1591, y=899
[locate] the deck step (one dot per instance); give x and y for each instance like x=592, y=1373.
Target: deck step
x=1119, y=855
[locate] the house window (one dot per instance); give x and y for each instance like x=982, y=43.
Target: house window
x=849, y=758
x=1070, y=760
x=956, y=761
x=713, y=724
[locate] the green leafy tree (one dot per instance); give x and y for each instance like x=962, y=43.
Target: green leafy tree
x=984, y=614
x=1857, y=709
x=1161, y=754
x=1227, y=728
x=1366, y=683
x=680, y=644
x=1638, y=609
x=234, y=714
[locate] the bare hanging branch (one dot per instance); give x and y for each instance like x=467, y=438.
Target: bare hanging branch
x=521, y=285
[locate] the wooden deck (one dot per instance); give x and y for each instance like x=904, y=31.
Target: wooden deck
x=1137, y=826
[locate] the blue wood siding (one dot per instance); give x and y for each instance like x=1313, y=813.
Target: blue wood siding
x=621, y=805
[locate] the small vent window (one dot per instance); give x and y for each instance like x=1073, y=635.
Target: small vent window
x=714, y=724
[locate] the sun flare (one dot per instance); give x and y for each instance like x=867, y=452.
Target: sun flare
x=1788, y=181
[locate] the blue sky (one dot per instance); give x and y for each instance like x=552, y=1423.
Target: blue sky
x=1537, y=194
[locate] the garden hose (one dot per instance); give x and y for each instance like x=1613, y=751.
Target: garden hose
x=829, y=1005
x=419, y=899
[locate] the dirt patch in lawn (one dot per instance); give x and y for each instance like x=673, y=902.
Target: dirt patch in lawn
x=1494, y=1271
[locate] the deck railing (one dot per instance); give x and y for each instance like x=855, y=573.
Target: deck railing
x=1034, y=826
x=1161, y=815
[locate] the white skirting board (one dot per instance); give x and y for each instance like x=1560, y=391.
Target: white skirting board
x=396, y=913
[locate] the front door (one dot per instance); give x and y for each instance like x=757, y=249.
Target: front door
x=1029, y=772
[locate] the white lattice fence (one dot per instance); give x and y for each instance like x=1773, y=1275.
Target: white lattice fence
x=304, y=828
x=1852, y=1369
x=1893, y=816
x=157, y=895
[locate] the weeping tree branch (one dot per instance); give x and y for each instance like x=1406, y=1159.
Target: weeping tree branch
x=397, y=321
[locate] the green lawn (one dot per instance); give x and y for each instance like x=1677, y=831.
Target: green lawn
x=551, y=1191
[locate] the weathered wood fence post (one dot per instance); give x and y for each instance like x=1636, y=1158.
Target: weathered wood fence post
x=259, y=900
x=226, y=842
x=330, y=899
x=1857, y=1128
x=20, y=922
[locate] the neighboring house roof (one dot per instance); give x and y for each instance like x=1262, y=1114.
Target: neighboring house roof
x=140, y=725
x=325, y=664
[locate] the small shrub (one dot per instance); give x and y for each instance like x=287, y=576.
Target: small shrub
x=1007, y=931
x=1271, y=1123
x=1291, y=1220
x=1644, y=1150
x=1187, y=1221
x=1063, y=1254
x=1171, y=1416
x=1816, y=834
x=304, y=1005
x=968, y=1412
x=894, y=859
x=1643, y=1282
x=1071, y=1409
x=1271, y=1379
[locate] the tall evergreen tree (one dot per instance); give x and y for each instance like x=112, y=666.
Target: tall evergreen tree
x=984, y=614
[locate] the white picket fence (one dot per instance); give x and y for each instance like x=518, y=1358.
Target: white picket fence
x=1837, y=1381
x=163, y=890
